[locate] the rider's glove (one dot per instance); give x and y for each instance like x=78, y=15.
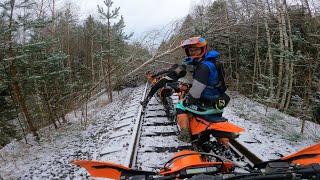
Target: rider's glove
x=188, y=100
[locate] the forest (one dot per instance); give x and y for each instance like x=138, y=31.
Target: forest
x=52, y=63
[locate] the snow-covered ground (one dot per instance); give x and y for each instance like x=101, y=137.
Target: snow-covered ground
x=50, y=159
x=269, y=134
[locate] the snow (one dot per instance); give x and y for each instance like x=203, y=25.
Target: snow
x=149, y=130
x=50, y=159
x=158, y=137
x=155, y=113
x=155, y=120
x=106, y=135
x=269, y=133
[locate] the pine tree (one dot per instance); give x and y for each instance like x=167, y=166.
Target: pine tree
x=109, y=16
x=32, y=65
x=12, y=57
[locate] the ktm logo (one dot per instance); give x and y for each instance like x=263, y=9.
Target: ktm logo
x=221, y=103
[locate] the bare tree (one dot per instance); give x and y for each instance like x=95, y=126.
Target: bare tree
x=291, y=63
x=280, y=71
x=282, y=9
x=269, y=52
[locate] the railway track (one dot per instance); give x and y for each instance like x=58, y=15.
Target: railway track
x=156, y=140
x=153, y=139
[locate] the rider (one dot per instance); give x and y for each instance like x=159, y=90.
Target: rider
x=175, y=72
x=208, y=86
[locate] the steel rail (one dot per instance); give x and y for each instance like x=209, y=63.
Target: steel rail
x=242, y=151
x=132, y=149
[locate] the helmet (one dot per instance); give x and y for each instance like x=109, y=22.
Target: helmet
x=199, y=42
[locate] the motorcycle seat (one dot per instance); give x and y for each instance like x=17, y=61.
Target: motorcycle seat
x=214, y=118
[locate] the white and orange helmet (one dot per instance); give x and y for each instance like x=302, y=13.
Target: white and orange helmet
x=195, y=42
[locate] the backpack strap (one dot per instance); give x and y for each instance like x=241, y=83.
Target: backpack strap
x=221, y=73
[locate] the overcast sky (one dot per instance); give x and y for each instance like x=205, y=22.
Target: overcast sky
x=142, y=15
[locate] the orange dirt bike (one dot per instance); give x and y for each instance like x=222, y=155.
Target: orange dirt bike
x=304, y=164
x=201, y=128
x=204, y=126
x=163, y=94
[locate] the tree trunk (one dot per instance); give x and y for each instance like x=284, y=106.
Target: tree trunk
x=50, y=112
x=280, y=73
x=109, y=60
x=269, y=7
x=302, y=126
x=42, y=112
x=287, y=64
x=268, y=65
x=91, y=52
x=19, y=121
x=101, y=73
x=270, y=59
x=237, y=66
x=53, y=17
x=308, y=7
x=229, y=46
x=41, y=9
x=256, y=55
x=308, y=92
x=68, y=51
x=291, y=64
x=20, y=98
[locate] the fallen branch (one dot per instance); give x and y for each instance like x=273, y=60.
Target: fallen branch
x=153, y=59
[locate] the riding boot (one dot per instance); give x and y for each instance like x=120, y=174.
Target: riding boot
x=185, y=135
x=183, y=122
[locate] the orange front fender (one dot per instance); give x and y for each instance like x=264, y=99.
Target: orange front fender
x=102, y=169
x=307, y=156
x=110, y=170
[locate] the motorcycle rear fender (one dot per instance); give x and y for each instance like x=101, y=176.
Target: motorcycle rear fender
x=198, y=125
x=150, y=78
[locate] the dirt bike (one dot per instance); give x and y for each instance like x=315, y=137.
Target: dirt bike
x=202, y=127
x=304, y=164
x=164, y=94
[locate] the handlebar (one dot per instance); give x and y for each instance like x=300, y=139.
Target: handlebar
x=292, y=173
